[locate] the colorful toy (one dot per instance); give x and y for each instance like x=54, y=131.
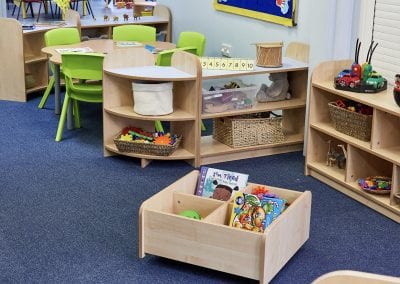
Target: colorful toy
x=115, y=18
x=126, y=17
x=190, y=214
x=376, y=184
x=120, y=4
x=137, y=15
x=106, y=18
x=361, y=78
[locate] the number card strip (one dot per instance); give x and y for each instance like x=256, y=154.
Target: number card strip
x=224, y=63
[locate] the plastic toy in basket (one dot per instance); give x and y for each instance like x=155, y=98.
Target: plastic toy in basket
x=376, y=184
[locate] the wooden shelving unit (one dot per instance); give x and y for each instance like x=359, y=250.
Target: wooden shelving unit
x=211, y=242
x=120, y=70
x=380, y=156
x=21, y=50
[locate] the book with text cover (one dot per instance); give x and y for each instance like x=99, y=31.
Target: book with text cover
x=219, y=184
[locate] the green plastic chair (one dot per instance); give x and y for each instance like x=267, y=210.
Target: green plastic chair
x=61, y=36
x=192, y=39
x=139, y=33
x=88, y=68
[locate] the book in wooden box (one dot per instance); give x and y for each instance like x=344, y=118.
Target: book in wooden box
x=211, y=242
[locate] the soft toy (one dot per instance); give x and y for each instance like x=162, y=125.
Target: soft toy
x=277, y=91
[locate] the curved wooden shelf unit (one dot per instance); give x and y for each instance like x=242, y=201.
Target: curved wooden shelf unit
x=122, y=68
x=127, y=111
x=378, y=157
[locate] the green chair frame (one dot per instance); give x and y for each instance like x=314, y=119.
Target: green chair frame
x=192, y=39
x=138, y=33
x=88, y=68
x=60, y=36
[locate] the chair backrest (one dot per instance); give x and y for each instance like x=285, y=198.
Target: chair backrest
x=81, y=65
x=164, y=57
x=193, y=39
x=62, y=36
x=134, y=33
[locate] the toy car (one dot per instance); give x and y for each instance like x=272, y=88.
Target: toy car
x=375, y=80
x=344, y=72
x=348, y=80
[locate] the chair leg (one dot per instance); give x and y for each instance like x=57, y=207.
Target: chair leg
x=31, y=7
x=63, y=116
x=47, y=92
x=77, y=116
x=19, y=9
x=38, y=15
x=15, y=6
x=203, y=127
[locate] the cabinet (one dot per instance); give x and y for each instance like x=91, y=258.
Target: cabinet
x=254, y=255
x=120, y=70
x=378, y=157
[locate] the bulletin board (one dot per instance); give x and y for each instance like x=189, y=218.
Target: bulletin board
x=277, y=11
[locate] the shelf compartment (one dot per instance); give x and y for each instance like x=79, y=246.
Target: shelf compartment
x=317, y=151
x=362, y=164
x=204, y=242
x=319, y=105
x=40, y=78
x=33, y=44
x=386, y=139
x=261, y=107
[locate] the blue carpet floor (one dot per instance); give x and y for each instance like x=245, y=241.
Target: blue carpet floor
x=69, y=215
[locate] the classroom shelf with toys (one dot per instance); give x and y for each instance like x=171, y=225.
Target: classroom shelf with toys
x=163, y=231
x=187, y=77
x=376, y=154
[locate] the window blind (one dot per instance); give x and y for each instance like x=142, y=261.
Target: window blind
x=386, y=32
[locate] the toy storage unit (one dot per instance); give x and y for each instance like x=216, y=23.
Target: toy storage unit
x=210, y=242
x=377, y=154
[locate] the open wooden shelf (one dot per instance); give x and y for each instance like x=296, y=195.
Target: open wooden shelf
x=187, y=76
x=378, y=157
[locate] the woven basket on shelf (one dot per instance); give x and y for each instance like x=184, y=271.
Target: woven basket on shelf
x=352, y=123
x=146, y=148
x=242, y=131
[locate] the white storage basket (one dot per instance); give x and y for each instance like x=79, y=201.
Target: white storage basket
x=152, y=98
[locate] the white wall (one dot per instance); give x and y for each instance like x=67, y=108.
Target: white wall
x=3, y=8
x=325, y=25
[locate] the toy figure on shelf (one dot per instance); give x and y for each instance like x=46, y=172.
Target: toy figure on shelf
x=361, y=78
x=277, y=91
x=115, y=18
x=341, y=158
x=126, y=17
x=106, y=18
x=330, y=156
x=396, y=89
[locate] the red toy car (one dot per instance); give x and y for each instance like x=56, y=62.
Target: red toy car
x=348, y=81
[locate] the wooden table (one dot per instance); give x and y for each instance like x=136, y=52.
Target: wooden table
x=101, y=46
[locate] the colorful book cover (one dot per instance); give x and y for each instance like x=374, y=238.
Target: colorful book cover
x=251, y=213
x=220, y=184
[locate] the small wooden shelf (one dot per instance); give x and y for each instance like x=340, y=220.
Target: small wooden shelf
x=261, y=107
x=34, y=59
x=378, y=157
x=179, y=154
x=127, y=111
x=211, y=242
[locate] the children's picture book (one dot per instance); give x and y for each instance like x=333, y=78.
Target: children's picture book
x=220, y=184
x=251, y=213
x=127, y=43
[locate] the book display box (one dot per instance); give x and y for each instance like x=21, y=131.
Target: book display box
x=211, y=242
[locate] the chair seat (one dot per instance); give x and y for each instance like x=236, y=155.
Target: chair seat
x=87, y=92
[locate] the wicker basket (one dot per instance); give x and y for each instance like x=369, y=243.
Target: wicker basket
x=146, y=148
x=269, y=54
x=242, y=131
x=352, y=123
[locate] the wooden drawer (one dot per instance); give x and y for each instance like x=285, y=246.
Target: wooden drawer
x=211, y=242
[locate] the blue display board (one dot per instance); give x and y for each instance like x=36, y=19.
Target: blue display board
x=277, y=11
